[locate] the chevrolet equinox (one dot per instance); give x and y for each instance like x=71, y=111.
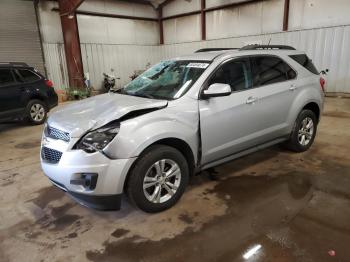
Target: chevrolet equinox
x=179, y=117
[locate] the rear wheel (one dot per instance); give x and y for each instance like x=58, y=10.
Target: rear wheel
x=36, y=112
x=158, y=179
x=304, y=132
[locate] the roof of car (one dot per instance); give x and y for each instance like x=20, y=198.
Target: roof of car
x=209, y=54
x=203, y=56
x=14, y=65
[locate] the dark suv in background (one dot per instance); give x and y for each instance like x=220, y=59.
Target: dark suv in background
x=25, y=93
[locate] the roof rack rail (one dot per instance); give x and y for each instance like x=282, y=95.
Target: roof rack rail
x=214, y=49
x=266, y=47
x=14, y=64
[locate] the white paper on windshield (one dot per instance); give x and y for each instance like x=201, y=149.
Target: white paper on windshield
x=198, y=65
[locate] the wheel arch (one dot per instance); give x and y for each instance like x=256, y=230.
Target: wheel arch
x=37, y=97
x=314, y=107
x=176, y=143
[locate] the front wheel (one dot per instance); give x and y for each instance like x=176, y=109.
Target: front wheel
x=158, y=179
x=304, y=132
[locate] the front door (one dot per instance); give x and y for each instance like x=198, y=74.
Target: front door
x=228, y=123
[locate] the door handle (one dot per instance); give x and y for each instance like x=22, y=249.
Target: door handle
x=293, y=87
x=251, y=100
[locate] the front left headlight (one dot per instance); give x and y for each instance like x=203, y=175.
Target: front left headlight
x=98, y=139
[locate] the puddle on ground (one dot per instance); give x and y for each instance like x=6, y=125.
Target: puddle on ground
x=28, y=145
x=119, y=232
x=256, y=205
x=274, y=210
x=46, y=195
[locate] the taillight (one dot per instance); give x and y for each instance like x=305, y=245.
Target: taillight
x=322, y=83
x=48, y=83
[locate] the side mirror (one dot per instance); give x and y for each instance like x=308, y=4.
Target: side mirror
x=216, y=90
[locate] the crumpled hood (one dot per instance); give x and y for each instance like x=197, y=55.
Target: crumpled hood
x=91, y=113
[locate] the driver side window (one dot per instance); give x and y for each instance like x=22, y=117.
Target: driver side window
x=235, y=73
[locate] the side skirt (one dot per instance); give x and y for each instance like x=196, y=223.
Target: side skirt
x=242, y=153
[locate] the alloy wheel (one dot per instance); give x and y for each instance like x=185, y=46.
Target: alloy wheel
x=162, y=181
x=306, y=131
x=37, y=112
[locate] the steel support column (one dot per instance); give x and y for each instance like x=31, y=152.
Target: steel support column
x=286, y=15
x=203, y=20
x=71, y=41
x=160, y=22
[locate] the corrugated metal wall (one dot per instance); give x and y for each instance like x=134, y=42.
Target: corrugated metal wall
x=56, y=65
x=116, y=46
x=19, y=37
x=127, y=45
x=123, y=59
x=328, y=48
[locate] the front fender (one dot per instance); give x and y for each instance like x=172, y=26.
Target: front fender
x=139, y=133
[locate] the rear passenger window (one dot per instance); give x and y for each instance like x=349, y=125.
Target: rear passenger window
x=28, y=76
x=305, y=62
x=6, y=77
x=235, y=73
x=269, y=70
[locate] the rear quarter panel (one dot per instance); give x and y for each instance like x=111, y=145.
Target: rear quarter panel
x=309, y=91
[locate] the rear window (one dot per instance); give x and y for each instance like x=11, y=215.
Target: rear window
x=28, y=76
x=269, y=70
x=6, y=77
x=305, y=62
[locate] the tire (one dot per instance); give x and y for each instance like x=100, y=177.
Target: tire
x=144, y=174
x=36, y=112
x=296, y=141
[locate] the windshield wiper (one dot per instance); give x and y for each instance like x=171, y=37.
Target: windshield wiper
x=143, y=95
x=120, y=90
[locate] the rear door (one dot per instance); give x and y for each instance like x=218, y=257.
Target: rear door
x=277, y=89
x=30, y=83
x=11, y=102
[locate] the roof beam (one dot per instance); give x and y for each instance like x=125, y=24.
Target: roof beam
x=165, y=3
x=142, y=2
x=78, y=12
x=210, y=9
x=116, y=16
x=236, y=4
x=182, y=15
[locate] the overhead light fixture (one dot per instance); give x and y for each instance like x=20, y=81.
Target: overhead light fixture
x=252, y=251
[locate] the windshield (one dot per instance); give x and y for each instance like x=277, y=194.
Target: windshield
x=166, y=80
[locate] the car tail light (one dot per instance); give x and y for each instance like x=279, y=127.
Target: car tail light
x=322, y=83
x=48, y=83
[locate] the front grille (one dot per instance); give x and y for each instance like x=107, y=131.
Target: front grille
x=57, y=134
x=50, y=155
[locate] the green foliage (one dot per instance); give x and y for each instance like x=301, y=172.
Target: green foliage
x=77, y=93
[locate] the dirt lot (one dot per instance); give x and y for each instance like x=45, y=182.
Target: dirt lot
x=296, y=206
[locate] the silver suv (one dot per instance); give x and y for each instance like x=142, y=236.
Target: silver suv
x=179, y=117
